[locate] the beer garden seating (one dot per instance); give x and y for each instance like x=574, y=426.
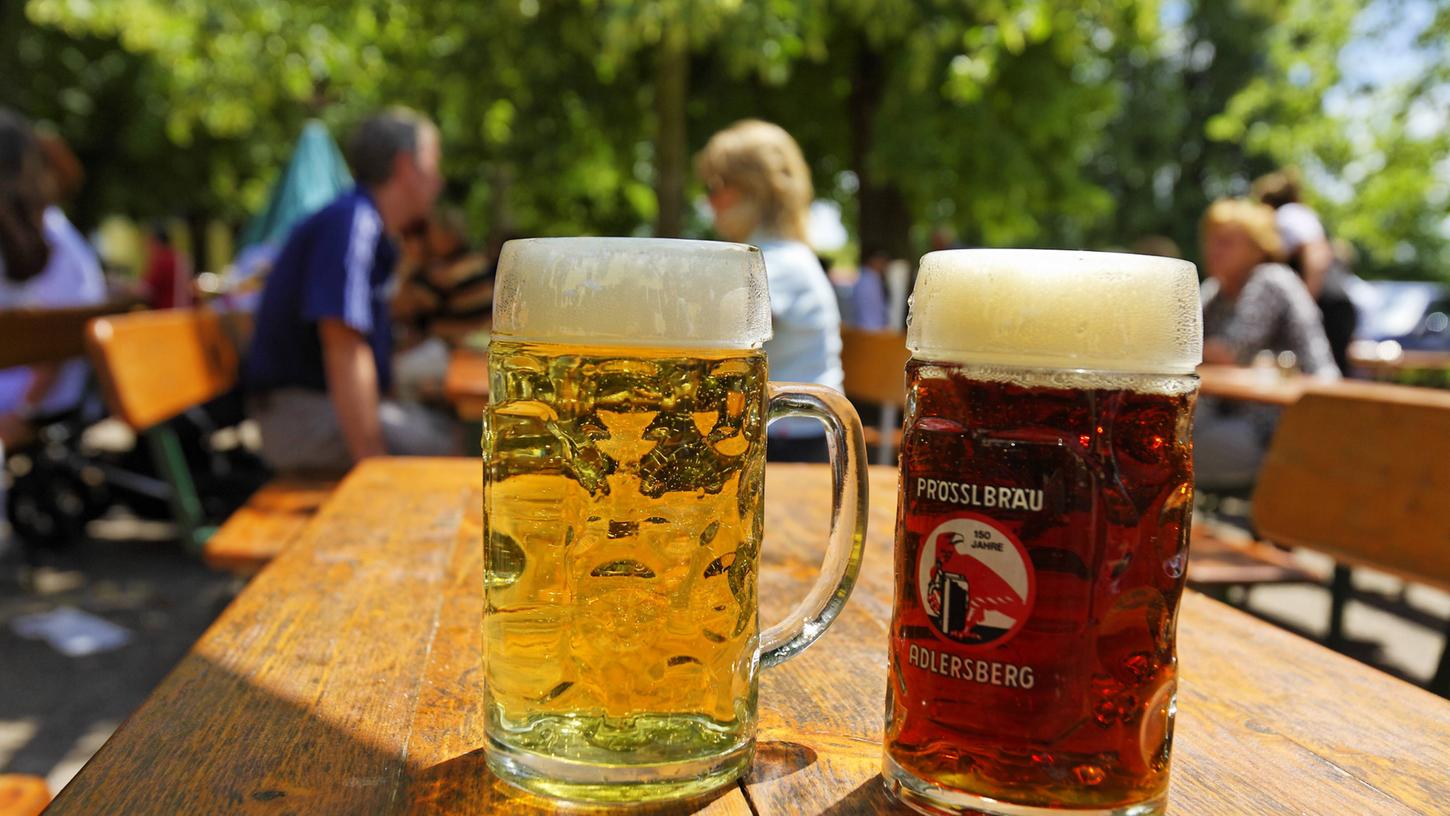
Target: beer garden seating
x=1359, y=472
x=155, y=365
x=873, y=362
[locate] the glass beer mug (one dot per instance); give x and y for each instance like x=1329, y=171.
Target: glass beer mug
x=1042, y=535
x=624, y=463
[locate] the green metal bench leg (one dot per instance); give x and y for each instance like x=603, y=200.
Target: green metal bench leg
x=186, y=506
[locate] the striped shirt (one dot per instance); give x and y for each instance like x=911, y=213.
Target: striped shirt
x=449, y=298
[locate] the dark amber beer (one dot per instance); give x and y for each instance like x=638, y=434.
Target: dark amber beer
x=1046, y=490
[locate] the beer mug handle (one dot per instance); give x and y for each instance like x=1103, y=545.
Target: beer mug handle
x=842, y=564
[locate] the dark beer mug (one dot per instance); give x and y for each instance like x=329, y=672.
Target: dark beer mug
x=1042, y=535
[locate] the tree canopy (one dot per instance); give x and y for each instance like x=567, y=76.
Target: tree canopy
x=1012, y=122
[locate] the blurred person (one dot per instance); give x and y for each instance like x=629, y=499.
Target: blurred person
x=319, y=371
x=444, y=295
x=868, y=293
x=1251, y=303
x=44, y=263
x=163, y=282
x=1308, y=250
x=445, y=289
x=760, y=192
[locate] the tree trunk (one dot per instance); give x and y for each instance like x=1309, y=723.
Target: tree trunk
x=672, y=69
x=883, y=217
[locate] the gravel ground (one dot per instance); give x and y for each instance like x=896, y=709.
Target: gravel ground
x=56, y=711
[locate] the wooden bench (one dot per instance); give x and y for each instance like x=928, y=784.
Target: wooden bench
x=34, y=336
x=154, y=365
x=267, y=524
x=22, y=795
x=1359, y=472
x=1222, y=556
x=874, y=364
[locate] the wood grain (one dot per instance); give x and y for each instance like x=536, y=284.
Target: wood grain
x=345, y=679
x=154, y=365
x=1363, y=474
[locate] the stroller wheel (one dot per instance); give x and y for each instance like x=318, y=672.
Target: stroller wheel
x=49, y=509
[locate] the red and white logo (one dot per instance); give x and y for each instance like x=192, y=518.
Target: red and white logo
x=976, y=582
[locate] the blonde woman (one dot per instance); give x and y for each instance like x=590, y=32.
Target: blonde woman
x=760, y=192
x=1251, y=303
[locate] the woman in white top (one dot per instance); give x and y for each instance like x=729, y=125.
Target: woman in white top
x=44, y=263
x=760, y=192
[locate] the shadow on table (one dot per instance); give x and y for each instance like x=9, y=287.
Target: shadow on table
x=868, y=797
x=212, y=741
x=465, y=785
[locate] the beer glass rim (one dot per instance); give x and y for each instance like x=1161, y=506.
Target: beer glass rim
x=632, y=292
x=1057, y=309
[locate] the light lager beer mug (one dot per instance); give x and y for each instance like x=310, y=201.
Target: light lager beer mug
x=1042, y=535
x=624, y=459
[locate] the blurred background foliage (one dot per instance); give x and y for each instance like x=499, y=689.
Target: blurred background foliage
x=1006, y=122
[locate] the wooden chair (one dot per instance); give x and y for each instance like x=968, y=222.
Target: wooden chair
x=23, y=795
x=1361, y=472
x=874, y=364
x=1363, y=475
x=153, y=366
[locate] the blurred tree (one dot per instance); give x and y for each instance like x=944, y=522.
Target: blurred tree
x=1028, y=122
x=1238, y=88
x=104, y=101
x=576, y=113
x=1373, y=142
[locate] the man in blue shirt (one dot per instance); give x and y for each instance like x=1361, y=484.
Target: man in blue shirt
x=320, y=363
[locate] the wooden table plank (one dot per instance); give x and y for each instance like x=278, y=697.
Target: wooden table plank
x=345, y=679
x=1262, y=385
x=1269, y=387
x=1269, y=723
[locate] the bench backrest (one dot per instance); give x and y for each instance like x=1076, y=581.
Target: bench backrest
x=154, y=365
x=873, y=363
x=1362, y=472
x=33, y=336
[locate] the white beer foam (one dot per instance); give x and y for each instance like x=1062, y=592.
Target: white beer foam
x=632, y=292
x=1097, y=311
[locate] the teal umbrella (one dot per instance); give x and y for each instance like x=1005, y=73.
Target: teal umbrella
x=315, y=176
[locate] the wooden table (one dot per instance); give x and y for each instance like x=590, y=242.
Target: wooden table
x=1407, y=360
x=465, y=383
x=1262, y=385
x=345, y=679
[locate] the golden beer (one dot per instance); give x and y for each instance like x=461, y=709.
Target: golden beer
x=624, y=463
x=622, y=536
